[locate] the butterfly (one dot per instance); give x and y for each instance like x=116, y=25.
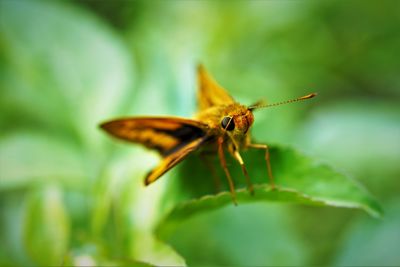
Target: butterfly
x=221, y=124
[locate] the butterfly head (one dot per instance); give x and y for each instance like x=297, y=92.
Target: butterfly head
x=237, y=120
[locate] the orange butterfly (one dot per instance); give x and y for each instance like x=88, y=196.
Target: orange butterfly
x=221, y=124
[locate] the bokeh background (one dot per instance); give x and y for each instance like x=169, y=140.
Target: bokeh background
x=71, y=195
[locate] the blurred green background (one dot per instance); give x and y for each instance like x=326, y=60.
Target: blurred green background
x=71, y=195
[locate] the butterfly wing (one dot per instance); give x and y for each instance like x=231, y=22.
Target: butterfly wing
x=172, y=159
x=210, y=92
x=164, y=134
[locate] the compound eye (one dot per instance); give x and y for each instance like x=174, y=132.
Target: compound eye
x=227, y=123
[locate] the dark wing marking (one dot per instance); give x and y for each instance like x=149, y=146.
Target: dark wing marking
x=210, y=92
x=172, y=159
x=166, y=135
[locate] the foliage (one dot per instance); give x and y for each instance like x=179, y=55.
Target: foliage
x=70, y=195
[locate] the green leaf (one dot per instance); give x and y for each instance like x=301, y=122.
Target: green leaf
x=46, y=227
x=300, y=179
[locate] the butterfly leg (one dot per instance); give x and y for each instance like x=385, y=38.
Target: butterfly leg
x=267, y=159
x=223, y=164
x=217, y=181
x=237, y=156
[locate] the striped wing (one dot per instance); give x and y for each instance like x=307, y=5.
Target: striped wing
x=172, y=159
x=164, y=134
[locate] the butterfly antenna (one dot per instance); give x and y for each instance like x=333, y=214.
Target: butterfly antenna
x=256, y=106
